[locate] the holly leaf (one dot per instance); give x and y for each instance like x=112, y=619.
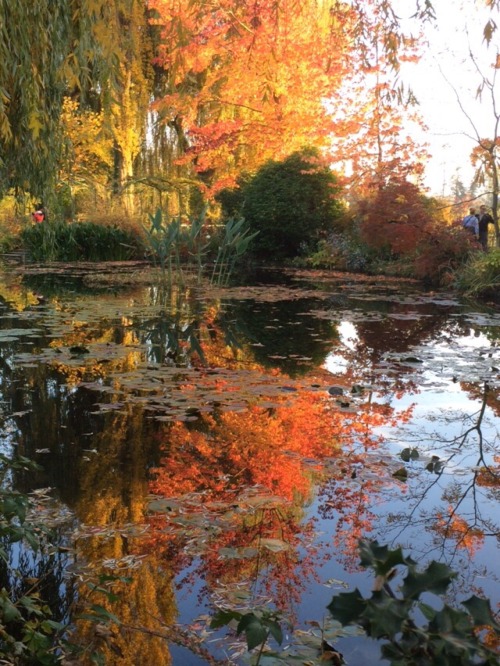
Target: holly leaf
x=480, y=611
x=275, y=630
x=436, y=578
x=347, y=607
x=380, y=558
x=450, y=623
x=385, y=615
x=255, y=632
x=223, y=618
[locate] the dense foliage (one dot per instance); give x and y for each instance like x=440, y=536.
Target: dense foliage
x=291, y=203
x=416, y=626
x=81, y=242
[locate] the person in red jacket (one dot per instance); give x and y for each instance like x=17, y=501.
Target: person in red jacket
x=39, y=215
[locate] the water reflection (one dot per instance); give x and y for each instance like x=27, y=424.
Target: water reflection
x=193, y=439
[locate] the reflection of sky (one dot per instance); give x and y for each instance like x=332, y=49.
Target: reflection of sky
x=348, y=337
x=447, y=403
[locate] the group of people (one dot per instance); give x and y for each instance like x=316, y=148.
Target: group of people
x=477, y=223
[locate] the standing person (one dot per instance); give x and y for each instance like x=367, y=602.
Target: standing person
x=471, y=222
x=485, y=219
x=39, y=215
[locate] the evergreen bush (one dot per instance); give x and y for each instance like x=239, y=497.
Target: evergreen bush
x=292, y=204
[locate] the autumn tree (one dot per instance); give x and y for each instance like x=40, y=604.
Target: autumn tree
x=479, y=105
x=374, y=115
x=247, y=81
x=87, y=156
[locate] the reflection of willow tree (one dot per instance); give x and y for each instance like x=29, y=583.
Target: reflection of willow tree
x=15, y=295
x=467, y=475
x=112, y=488
x=243, y=479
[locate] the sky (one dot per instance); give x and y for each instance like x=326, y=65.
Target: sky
x=445, y=66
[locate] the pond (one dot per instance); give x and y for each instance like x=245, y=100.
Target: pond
x=208, y=449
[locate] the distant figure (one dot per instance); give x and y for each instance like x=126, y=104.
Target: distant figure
x=485, y=219
x=471, y=222
x=39, y=215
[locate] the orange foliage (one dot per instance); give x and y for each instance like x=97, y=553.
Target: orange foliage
x=279, y=454
x=395, y=216
x=488, y=477
x=455, y=527
x=248, y=80
x=255, y=447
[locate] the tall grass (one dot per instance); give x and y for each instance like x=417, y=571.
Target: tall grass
x=82, y=241
x=480, y=277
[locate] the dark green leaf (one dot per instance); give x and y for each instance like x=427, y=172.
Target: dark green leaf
x=449, y=620
x=347, y=607
x=275, y=630
x=223, y=618
x=255, y=632
x=436, y=578
x=384, y=615
x=480, y=611
x=427, y=611
x=380, y=558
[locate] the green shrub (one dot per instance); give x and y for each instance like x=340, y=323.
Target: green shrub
x=292, y=204
x=414, y=624
x=82, y=241
x=342, y=252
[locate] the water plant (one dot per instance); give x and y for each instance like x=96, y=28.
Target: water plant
x=481, y=275
x=29, y=631
x=415, y=631
x=174, y=243
x=233, y=244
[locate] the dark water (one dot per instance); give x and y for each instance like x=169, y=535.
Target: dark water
x=227, y=449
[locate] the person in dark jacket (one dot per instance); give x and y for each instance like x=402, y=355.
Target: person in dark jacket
x=485, y=219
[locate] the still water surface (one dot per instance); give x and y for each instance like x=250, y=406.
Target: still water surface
x=226, y=449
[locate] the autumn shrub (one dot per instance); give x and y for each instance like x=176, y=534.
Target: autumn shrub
x=394, y=217
x=292, y=204
x=441, y=251
x=410, y=235
x=480, y=276
x=85, y=241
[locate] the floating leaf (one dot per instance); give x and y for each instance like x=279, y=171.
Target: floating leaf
x=409, y=454
x=274, y=545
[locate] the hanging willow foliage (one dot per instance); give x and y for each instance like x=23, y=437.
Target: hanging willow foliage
x=97, y=52
x=34, y=42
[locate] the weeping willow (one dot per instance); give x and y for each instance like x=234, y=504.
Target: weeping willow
x=94, y=51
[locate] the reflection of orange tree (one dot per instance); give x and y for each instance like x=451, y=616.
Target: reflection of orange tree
x=457, y=528
x=278, y=453
x=219, y=457
x=351, y=488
